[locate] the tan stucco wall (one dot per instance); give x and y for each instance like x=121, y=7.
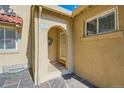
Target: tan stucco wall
x=47, y=21
x=99, y=59
x=121, y=17
x=19, y=56
x=32, y=39
x=53, y=48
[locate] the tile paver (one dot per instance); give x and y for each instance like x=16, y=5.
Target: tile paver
x=44, y=85
x=11, y=81
x=2, y=83
x=24, y=80
x=11, y=86
x=27, y=83
x=57, y=83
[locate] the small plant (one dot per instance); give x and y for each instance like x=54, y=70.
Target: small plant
x=50, y=41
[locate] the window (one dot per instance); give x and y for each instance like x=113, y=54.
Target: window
x=8, y=38
x=92, y=27
x=101, y=24
x=1, y=38
x=107, y=23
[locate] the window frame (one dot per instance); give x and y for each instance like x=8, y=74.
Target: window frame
x=61, y=57
x=16, y=38
x=100, y=16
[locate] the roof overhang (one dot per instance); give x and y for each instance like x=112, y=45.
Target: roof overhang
x=11, y=19
x=79, y=10
x=63, y=11
x=66, y=12
x=58, y=9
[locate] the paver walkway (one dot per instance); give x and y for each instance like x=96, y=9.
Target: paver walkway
x=24, y=80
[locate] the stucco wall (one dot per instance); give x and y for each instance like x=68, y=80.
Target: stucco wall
x=19, y=56
x=46, y=22
x=53, y=48
x=99, y=59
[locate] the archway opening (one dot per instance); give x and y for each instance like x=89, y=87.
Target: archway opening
x=57, y=49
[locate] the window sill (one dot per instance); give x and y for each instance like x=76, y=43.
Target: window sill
x=117, y=34
x=9, y=52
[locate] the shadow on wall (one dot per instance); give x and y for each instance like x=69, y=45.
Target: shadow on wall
x=30, y=47
x=7, y=10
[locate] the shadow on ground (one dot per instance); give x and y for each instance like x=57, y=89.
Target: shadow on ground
x=82, y=80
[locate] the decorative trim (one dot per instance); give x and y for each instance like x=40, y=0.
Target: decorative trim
x=110, y=35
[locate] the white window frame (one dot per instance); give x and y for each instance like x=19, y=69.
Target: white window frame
x=16, y=39
x=102, y=15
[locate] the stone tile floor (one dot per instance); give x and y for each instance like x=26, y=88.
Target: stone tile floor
x=24, y=80
x=58, y=65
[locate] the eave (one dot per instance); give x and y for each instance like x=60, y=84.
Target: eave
x=79, y=10
x=58, y=9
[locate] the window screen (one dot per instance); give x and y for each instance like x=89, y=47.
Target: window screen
x=107, y=23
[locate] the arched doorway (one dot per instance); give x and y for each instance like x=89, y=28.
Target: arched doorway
x=57, y=49
x=44, y=70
